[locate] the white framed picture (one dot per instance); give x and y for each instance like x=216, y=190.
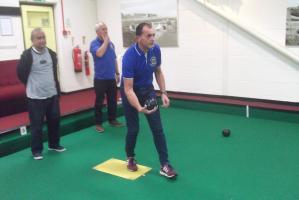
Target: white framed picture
x=6, y=26
x=292, y=27
x=161, y=14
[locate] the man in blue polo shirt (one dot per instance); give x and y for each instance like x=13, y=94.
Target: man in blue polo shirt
x=140, y=62
x=106, y=76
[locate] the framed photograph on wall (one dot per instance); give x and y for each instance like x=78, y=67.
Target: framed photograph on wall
x=292, y=28
x=161, y=14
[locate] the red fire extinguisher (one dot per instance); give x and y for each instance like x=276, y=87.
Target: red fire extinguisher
x=77, y=58
x=86, y=63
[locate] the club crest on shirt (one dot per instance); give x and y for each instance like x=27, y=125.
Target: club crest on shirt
x=153, y=61
x=42, y=62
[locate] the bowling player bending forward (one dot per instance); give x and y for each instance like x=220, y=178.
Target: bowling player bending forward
x=140, y=62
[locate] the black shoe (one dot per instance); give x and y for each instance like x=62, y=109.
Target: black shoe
x=58, y=148
x=37, y=156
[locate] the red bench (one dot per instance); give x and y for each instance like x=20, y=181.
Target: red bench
x=12, y=91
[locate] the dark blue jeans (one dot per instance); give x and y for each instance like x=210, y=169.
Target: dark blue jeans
x=38, y=110
x=154, y=121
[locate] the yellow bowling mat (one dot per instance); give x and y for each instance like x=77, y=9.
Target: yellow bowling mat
x=119, y=168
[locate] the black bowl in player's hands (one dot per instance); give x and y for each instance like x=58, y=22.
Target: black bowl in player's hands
x=150, y=103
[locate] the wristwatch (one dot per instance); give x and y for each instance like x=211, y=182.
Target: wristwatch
x=164, y=92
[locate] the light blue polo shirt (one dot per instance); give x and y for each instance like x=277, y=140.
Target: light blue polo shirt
x=140, y=66
x=104, y=67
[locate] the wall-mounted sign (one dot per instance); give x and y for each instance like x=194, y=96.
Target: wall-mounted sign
x=6, y=27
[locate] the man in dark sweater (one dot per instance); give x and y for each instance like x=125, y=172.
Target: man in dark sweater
x=37, y=70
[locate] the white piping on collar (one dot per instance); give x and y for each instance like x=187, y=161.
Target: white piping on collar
x=37, y=51
x=137, y=50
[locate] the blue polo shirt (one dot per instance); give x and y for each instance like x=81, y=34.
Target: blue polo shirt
x=140, y=66
x=104, y=67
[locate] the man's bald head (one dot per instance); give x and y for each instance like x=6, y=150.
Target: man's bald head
x=35, y=32
x=99, y=25
x=101, y=30
x=38, y=38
